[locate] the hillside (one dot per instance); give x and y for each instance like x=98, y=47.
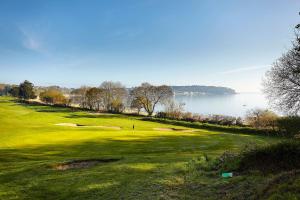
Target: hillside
x=202, y=90
x=56, y=153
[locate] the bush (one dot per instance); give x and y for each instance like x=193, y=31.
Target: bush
x=161, y=115
x=258, y=118
x=53, y=96
x=274, y=158
x=213, y=127
x=174, y=110
x=226, y=162
x=117, y=106
x=188, y=116
x=289, y=126
x=200, y=163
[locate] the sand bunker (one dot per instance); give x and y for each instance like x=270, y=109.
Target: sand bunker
x=67, y=124
x=174, y=129
x=80, y=125
x=79, y=164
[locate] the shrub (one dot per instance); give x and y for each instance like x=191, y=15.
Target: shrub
x=200, y=163
x=174, y=110
x=188, y=116
x=274, y=158
x=239, y=121
x=289, y=126
x=258, y=118
x=53, y=96
x=117, y=106
x=174, y=114
x=226, y=162
x=161, y=115
x=214, y=127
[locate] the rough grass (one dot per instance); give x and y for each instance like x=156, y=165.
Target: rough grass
x=266, y=172
x=152, y=165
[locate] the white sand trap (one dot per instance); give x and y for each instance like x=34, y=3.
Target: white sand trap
x=79, y=125
x=174, y=129
x=67, y=124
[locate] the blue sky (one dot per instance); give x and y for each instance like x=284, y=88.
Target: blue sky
x=175, y=42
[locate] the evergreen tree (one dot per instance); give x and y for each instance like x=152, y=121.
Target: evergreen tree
x=26, y=90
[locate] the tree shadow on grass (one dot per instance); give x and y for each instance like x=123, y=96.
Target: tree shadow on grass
x=95, y=115
x=44, y=108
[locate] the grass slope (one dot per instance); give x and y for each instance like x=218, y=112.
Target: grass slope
x=152, y=165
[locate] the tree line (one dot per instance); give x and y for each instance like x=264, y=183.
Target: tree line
x=109, y=96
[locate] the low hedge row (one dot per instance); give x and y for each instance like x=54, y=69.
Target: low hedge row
x=214, y=127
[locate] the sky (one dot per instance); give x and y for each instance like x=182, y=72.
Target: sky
x=175, y=42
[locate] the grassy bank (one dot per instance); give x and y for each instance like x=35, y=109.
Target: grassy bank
x=149, y=162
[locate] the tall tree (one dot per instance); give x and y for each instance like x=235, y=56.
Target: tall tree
x=282, y=82
x=4, y=89
x=26, y=90
x=114, y=96
x=94, y=98
x=78, y=96
x=149, y=96
x=14, y=91
x=136, y=104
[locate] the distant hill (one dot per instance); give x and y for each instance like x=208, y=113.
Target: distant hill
x=195, y=90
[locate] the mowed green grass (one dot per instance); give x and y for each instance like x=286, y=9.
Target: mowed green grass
x=152, y=165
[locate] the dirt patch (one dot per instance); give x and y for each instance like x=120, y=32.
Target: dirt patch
x=80, y=164
x=174, y=129
x=81, y=125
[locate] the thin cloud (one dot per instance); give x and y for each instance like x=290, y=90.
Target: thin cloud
x=30, y=41
x=244, y=69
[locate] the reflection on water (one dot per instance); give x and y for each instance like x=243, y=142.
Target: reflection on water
x=233, y=105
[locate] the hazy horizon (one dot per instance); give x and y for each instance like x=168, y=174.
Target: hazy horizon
x=69, y=44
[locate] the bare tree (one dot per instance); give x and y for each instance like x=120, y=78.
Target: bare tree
x=94, y=98
x=114, y=96
x=135, y=104
x=282, y=82
x=173, y=109
x=149, y=96
x=78, y=96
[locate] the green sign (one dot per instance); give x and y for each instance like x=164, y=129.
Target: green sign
x=227, y=174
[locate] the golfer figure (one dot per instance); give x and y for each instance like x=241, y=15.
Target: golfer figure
x=133, y=127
